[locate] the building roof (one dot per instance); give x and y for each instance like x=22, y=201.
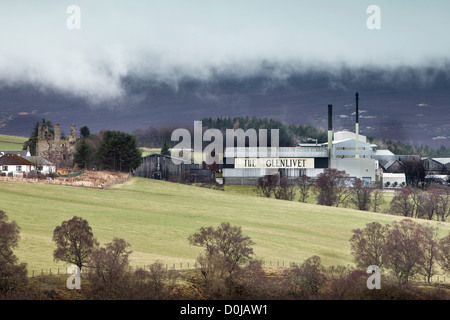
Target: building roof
x=11, y=159
x=442, y=160
x=345, y=135
x=21, y=153
x=383, y=152
x=37, y=160
x=166, y=156
x=388, y=164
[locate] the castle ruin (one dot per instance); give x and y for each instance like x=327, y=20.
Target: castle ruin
x=55, y=148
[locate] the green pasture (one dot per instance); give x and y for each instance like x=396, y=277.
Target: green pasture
x=156, y=218
x=11, y=143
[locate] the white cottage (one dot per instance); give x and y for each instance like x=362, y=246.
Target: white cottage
x=13, y=164
x=41, y=165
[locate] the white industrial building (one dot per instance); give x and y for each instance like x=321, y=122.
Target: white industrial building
x=342, y=158
x=345, y=151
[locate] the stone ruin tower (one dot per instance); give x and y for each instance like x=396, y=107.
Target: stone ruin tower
x=55, y=149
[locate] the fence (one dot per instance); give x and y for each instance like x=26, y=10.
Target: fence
x=194, y=265
x=67, y=181
x=168, y=266
x=115, y=182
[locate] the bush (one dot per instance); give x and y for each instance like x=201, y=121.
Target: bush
x=13, y=276
x=308, y=278
x=226, y=249
x=109, y=270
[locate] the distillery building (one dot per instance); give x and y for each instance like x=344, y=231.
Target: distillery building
x=344, y=150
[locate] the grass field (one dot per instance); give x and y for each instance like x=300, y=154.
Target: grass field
x=11, y=143
x=156, y=218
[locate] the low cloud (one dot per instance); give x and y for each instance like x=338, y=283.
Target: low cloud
x=123, y=51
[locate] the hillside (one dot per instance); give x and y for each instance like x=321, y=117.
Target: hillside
x=157, y=217
x=394, y=103
x=11, y=143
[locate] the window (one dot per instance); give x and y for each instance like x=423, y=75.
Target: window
x=5, y=168
x=18, y=168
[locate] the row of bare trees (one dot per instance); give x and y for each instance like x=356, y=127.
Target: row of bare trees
x=335, y=188
x=108, y=269
x=433, y=203
x=332, y=188
x=228, y=268
x=407, y=248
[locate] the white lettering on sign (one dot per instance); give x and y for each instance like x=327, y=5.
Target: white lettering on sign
x=274, y=163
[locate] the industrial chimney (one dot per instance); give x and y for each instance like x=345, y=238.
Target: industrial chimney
x=357, y=127
x=330, y=130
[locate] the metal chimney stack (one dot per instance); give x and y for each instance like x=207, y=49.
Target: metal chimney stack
x=330, y=130
x=357, y=126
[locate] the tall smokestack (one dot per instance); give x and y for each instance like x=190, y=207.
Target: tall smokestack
x=330, y=129
x=357, y=126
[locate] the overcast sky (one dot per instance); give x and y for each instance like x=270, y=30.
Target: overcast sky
x=170, y=38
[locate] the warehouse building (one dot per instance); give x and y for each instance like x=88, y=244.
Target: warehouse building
x=345, y=150
x=163, y=167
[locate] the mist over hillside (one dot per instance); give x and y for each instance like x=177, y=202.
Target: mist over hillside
x=404, y=103
x=131, y=65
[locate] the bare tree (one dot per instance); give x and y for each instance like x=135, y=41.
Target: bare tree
x=332, y=187
x=12, y=274
x=428, y=205
x=285, y=190
x=308, y=278
x=430, y=247
x=377, y=199
x=441, y=195
x=304, y=182
x=156, y=284
x=74, y=242
x=367, y=245
x=401, y=203
x=110, y=269
x=414, y=171
x=417, y=198
x=404, y=249
x=444, y=253
x=226, y=248
x=266, y=185
x=361, y=195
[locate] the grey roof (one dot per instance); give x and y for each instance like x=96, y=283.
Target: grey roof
x=37, y=160
x=442, y=160
x=384, y=152
x=166, y=156
x=21, y=153
x=389, y=163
